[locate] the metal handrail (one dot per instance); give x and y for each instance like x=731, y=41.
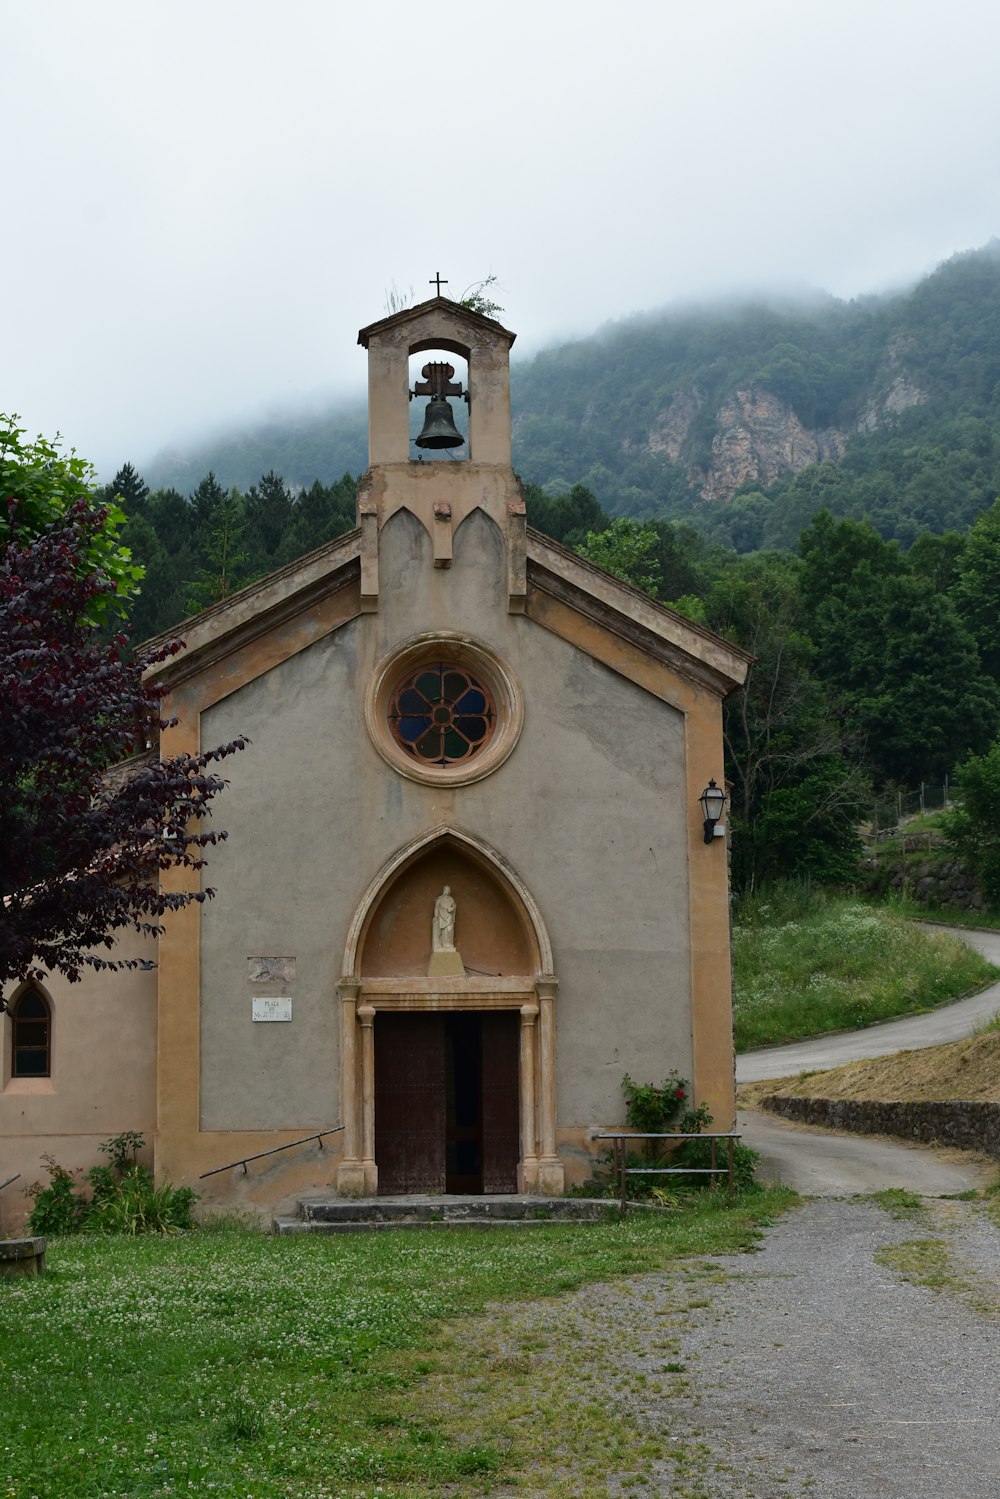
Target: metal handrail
x=273, y=1151
x=624, y=1171
x=14, y=1178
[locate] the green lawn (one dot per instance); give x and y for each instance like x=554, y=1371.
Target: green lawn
x=244, y=1366
x=806, y=963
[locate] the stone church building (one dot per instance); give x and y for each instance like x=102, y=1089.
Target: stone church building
x=467, y=884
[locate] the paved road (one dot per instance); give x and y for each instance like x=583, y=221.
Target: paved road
x=950, y=1023
x=823, y=1163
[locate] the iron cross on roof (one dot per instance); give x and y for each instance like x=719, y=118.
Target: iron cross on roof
x=436, y=281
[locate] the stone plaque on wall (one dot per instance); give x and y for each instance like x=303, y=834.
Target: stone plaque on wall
x=271, y=970
x=272, y=1009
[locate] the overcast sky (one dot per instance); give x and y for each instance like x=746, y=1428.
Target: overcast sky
x=203, y=200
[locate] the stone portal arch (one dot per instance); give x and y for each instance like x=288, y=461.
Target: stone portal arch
x=505, y=965
x=470, y=848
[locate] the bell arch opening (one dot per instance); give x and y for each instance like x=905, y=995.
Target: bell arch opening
x=438, y=374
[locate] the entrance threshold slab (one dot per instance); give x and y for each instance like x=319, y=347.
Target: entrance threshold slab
x=424, y=1210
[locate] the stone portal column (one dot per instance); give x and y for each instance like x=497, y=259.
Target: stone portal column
x=366, y=1014
x=528, y=1170
x=551, y=1176
x=350, y=1172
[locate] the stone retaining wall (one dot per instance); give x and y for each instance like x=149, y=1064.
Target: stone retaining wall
x=931, y=882
x=968, y=1126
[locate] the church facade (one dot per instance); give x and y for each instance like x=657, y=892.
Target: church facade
x=466, y=886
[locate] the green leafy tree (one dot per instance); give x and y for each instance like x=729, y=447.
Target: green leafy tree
x=226, y=568
x=977, y=592
x=973, y=827
x=626, y=550
x=171, y=556
x=899, y=661
x=268, y=508
x=567, y=516
x=321, y=513
x=682, y=558
x=798, y=790
x=938, y=559
x=40, y=489
x=129, y=489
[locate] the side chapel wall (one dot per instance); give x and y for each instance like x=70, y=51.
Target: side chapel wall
x=103, y=1075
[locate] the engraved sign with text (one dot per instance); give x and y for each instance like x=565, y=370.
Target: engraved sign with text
x=272, y=1009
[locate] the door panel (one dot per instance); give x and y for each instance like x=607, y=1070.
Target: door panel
x=409, y=1103
x=500, y=1082
x=435, y=1133
x=464, y=1108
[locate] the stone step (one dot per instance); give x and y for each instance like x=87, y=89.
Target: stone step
x=345, y=1215
x=300, y=1226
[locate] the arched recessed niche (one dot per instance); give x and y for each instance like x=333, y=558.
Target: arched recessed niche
x=492, y=930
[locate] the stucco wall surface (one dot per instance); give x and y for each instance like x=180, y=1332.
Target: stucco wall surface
x=589, y=809
x=103, y=1077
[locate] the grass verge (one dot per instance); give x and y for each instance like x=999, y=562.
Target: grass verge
x=967, y=1070
x=239, y=1365
x=939, y=1262
x=807, y=962
x=914, y=910
x=899, y=1203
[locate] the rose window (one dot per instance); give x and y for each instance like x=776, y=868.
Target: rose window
x=441, y=715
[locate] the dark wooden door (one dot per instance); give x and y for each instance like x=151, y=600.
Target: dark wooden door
x=409, y=1103
x=500, y=1042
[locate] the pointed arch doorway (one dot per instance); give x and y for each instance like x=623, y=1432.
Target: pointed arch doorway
x=447, y=1079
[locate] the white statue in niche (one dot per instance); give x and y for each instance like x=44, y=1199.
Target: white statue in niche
x=445, y=958
x=443, y=926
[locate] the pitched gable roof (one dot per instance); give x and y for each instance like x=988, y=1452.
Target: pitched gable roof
x=434, y=304
x=613, y=606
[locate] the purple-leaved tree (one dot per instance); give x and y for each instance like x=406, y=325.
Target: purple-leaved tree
x=88, y=816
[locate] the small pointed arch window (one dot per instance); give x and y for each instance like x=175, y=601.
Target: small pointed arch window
x=31, y=1035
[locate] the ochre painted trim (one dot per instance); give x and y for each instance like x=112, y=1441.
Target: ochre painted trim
x=178, y=994
x=622, y=656
x=219, y=678
x=711, y=964
x=708, y=871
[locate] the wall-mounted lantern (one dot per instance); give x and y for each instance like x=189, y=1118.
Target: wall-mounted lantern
x=712, y=800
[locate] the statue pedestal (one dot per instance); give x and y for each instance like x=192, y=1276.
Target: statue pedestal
x=445, y=964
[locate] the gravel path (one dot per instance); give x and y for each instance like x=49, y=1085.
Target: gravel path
x=820, y=1370
x=811, y=1370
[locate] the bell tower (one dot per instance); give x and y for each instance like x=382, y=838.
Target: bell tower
x=438, y=489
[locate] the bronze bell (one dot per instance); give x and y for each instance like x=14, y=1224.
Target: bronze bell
x=439, y=430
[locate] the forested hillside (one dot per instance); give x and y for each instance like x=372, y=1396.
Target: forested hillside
x=866, y=584
x=744, y=419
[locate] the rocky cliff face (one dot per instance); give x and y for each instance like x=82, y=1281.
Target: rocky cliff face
x=758, y=437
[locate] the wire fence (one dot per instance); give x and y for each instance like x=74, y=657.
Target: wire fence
x=890, y=811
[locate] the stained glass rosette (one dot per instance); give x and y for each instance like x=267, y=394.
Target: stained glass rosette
x=441, y=715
